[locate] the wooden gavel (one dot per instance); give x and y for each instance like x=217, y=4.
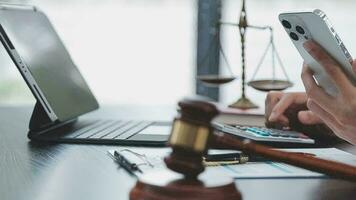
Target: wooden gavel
x=192, y=135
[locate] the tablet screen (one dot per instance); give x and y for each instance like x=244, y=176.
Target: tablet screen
x=49, y=63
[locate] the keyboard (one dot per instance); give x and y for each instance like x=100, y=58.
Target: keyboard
x=122, y=132
x=264, y=135
x=109, y=129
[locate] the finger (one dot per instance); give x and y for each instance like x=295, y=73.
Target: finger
x=280, y=107
x=282, y=120
x=331, y=67
x=281, y=123
x=326, y=117
x=309, y=118
x=313, y=90
x=283, y=104
x=272, y=99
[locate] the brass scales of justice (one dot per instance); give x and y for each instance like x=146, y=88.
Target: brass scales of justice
x=262, y=85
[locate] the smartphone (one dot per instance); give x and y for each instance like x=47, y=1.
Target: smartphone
x=314, y=25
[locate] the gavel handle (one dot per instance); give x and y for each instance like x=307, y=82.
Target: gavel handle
x=331, y=168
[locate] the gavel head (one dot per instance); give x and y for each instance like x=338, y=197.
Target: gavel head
x=189, y=139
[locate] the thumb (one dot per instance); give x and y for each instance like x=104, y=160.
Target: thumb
x=309, y=118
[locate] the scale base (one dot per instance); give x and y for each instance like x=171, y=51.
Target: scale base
x=244, y=104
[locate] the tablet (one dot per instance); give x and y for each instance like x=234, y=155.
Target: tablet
x=45, y=64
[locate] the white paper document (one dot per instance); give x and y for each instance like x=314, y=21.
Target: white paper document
x=264, y=169
x=281, y=170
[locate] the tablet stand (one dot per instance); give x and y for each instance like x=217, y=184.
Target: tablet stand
x=39, y=118
x=41, y=123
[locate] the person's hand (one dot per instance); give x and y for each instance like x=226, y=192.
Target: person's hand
x=289, y=110
x=278, y=103
x=338, y=113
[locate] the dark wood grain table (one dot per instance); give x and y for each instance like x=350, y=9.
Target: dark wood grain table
x=35, y=171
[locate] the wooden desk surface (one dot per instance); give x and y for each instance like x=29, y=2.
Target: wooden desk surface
x=66, y=171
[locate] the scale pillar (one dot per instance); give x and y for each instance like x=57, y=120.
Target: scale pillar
x=243, y=102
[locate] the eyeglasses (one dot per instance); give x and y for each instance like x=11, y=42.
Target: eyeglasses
x=130, y=160
x=142, y=157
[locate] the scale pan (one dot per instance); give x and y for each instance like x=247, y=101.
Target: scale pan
x=215, y=80
x=268, y=85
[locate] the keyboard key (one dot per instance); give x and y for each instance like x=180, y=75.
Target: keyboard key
x=133, y=131
x=243, y=128
x=111, y=129
x=97, y=129
x=263, y=133
x=274, y=134
x=285, y=135
x=84, y=129
x=251, y=129
x=252, y=133
x=121, y=130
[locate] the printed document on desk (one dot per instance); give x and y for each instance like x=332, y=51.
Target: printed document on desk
x=281, y=170
x=258, y=170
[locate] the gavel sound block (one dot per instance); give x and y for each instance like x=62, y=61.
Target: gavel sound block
x=190, y=139
x=168, y=185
